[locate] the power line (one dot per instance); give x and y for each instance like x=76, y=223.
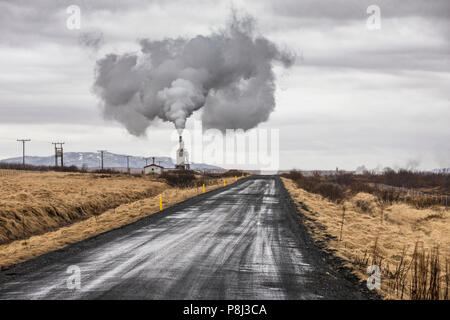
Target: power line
x=101, y=153
x=59, y=153
x=23, y=149
x=128, y=164
x=146, y=160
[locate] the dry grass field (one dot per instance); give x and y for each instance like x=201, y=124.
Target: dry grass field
x=64, y=208
x=411, y=245
x=34, y=202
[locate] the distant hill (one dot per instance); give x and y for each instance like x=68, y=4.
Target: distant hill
x=111, y=160
x=441, y=170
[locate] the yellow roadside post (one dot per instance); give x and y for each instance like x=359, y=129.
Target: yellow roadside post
x=224, y=183
x=160, y=202
x=203, y=188
x=235, y=178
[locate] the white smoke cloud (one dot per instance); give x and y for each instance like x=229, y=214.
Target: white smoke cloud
x=180, y=101
x=227, y=74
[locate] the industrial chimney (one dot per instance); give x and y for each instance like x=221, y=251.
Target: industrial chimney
x=182, y=157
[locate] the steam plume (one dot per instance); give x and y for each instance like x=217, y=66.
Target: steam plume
x=227, y=74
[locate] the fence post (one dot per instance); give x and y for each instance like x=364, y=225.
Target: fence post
x=342, y=223
x=23, y=225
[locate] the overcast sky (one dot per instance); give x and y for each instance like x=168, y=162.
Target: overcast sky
x=354, y=97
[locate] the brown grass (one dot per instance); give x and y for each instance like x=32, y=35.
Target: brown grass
x=36, y=202
x=22, y=250
x=410, y=245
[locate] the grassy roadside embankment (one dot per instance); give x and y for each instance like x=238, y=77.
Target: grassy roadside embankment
x=50, y=203
x=411, y=245
x=34, y=202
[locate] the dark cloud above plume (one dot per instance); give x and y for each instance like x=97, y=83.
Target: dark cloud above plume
x=227, y=74
x=356, y=9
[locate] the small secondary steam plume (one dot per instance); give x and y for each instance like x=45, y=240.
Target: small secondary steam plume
x=228, y=74
x=93, y=40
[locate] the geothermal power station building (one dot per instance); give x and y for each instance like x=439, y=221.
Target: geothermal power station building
x=182, y=161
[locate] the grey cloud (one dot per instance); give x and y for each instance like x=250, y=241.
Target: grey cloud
x=381, y=60
x=48, y=115
x=24, y=22
x=413, y=118
x=356, y=9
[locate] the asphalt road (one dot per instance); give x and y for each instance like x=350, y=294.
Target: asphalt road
x=241, y=242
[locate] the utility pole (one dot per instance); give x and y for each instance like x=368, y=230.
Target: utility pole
x=23, y=149
x=59, y=153
x=128, y=164
x=101, y=154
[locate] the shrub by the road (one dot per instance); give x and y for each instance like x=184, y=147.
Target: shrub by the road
x=180, y=178
x=18, y=166
x=331, y=191
x=233, y=173
x=317, y=184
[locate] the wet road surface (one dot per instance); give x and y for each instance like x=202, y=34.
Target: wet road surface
x=241, y=242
